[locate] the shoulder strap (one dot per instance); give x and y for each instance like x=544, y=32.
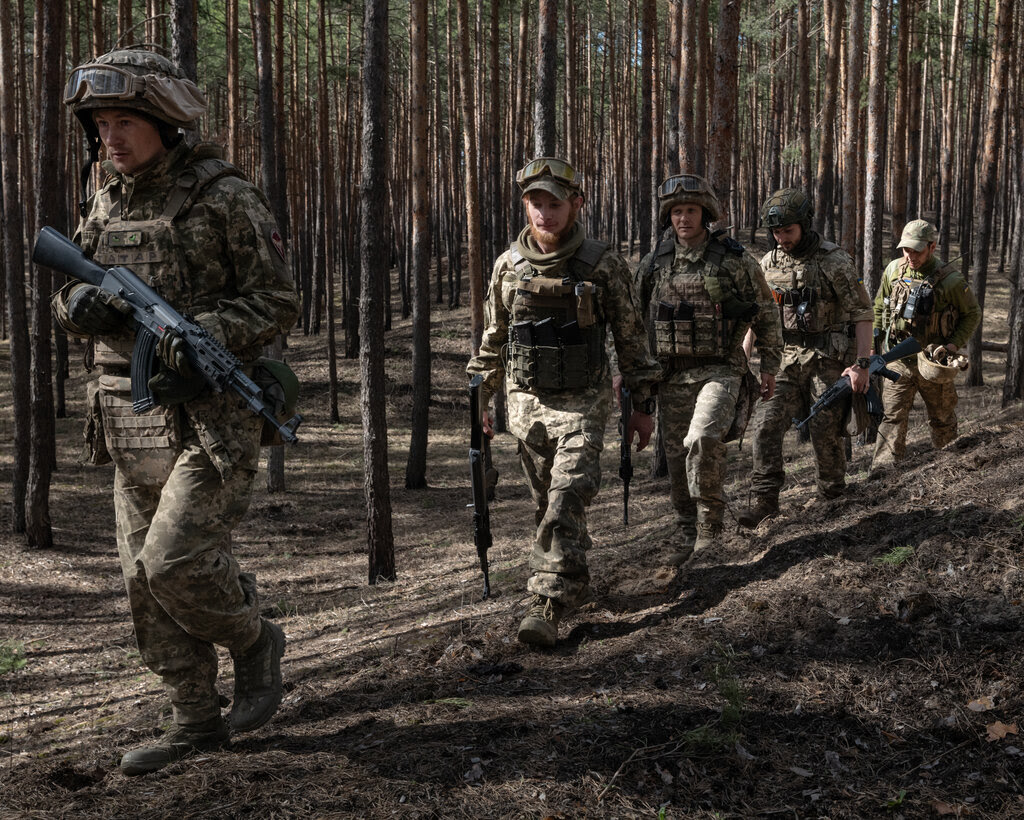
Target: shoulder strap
x=193, y=180
x=827, y=246
x=590, y=252
x=719, y=245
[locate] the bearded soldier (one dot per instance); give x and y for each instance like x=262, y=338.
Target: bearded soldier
x=826, y=327
x=552, y=297
x=702, y=292
x=919, y=296
x=190, y=225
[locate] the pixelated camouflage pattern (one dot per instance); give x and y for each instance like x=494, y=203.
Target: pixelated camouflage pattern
x=940, y=400
x=184, y=476
x=807, y=372
x=951, y=292
x=561, y=433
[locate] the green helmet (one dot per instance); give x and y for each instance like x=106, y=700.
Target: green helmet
x=787, y=207
x=138, y=80
x=683, y=189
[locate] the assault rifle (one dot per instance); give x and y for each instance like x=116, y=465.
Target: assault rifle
x=478, y=480
x=153, y=317
x=842, y=388
x=625, y=458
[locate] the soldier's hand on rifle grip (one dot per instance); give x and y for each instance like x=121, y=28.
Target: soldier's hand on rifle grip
x=860, y=378
x=767, y=386
x=96, y=312
x=487, y=422
x=643, y=425
x=171, y=351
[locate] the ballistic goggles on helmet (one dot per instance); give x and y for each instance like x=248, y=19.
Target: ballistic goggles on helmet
x=556, y=168
x=682, y=183
x=102, y=82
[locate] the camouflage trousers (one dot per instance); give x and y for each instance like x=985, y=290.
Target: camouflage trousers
x=564, y=475
x=175, y=514
x=940, y=400
x=797, y=387
x=694, y=418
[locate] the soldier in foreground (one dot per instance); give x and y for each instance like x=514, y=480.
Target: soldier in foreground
x=702, y=292
x=919, y=296
x=198, y=232
x=551, y=299
x=826, y=328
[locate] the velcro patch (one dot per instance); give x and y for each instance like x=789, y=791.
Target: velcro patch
x=124, y=239
x=274, y=238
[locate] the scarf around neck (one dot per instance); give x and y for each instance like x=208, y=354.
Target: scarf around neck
x=545, y=262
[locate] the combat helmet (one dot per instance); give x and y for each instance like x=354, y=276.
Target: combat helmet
x=683, y=189
x=787, y=206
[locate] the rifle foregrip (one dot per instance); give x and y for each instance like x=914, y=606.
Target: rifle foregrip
x=143, y=364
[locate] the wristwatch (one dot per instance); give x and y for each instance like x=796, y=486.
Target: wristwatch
x=648, y=407
x=864, y=363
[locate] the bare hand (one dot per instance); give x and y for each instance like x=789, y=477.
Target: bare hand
x=487, y=422
x=767, y=386
x=643, y=426
x=617, y=390
x=860, y=380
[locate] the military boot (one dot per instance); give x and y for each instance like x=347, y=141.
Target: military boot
x=540, y=626
x=708, y=535
x=179, y=742
x=678, y=546
x=258, y=687
x=762, y=507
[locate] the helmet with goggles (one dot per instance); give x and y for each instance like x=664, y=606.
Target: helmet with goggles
x=687, y=189
x=551, y=174
x=789, y=206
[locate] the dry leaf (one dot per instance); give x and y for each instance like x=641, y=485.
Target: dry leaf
x=943, y=808
x=981, y=704
x=999, y=730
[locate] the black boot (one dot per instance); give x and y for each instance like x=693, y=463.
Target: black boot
x=257, y=680
x=179, y=742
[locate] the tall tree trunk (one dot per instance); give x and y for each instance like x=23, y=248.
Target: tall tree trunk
x=875, y=168
x=373, y=195
x=469, y=144
x=824, y=188
x=689, y=68
x=803, y=85
x=949, y=119
x=675, y=19
x=724, y=100
x=645, y=169
x=547, y=74
x=851, y=156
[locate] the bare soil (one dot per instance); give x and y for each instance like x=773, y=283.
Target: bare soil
x=854, y=658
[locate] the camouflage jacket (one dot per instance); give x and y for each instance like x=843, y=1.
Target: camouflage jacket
x=745, y=282
x=838, y=302
x=563, y=411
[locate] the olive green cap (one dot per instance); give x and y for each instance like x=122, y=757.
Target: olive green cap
x=918, y=235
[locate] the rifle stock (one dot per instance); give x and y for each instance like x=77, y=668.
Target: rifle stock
x=481, y=515
x=153, y=317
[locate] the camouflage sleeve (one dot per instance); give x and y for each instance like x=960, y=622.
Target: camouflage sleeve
x=643, y=284
x=962, y=296
x=884, y=291
x=640, y=371
x=265, y=302
x=86, y=240
x=854, y=302
x=489, y=362
x=766, y=324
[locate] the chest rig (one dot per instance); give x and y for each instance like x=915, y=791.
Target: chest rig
x=690, y=327
x=808, y=304
x=152, y=248
x=911, y=308
x=556, y=336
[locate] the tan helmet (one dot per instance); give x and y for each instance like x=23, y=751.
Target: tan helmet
x=136, y=79
x=788, y=206
x=936, y=365
x=683, y=189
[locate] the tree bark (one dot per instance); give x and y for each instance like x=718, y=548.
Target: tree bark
x=724, y=101
x=875, y=167
x=547, y=74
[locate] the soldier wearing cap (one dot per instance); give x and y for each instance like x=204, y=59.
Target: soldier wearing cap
x=552, y=297
x=920, y=296
x=826, y=327
x=189, y=224
x=702, y=292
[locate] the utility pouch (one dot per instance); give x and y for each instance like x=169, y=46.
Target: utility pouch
x=586, y=314
x=95, y=441
x=280, y=388
x=141, y=444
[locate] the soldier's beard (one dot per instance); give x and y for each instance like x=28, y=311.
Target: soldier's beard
x=542, y=237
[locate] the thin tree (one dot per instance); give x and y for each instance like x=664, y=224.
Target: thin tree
x=824, y=188
x=724, y=99
x=373, y=255
x=547, y=74
x=875, y=167
x=851, y=134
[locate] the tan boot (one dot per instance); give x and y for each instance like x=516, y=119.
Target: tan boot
x=708, y=535
x=678, y=545
x=258, y=687
x=763, y=507
x=540, y=626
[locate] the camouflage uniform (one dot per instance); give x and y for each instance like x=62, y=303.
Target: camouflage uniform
x=819, y=346
x=953, y=318
x=561, y=429
x=703, y=362
x=204, y=238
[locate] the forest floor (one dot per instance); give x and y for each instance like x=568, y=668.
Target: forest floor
x=849, y=659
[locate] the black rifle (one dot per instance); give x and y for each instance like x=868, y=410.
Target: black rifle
x=842, y=388
x=625, y=457
x=153, y=317
x=481, y=516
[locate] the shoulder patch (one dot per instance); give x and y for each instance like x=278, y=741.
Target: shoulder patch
x=591, y=251
x=273, y=237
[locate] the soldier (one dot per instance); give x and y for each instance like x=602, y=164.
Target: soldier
x=552, y=296
x=919, y=296
x=192, y=226
x=702, y=292
x=826, y=327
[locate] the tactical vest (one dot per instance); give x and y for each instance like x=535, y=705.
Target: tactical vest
x=910, y=308
x=557, y=332
x=152, y=249
x=809, y=307
x=686, y=308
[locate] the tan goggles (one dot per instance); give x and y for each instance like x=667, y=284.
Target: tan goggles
x=684, y=182
x=103, y=81
x=548, y=166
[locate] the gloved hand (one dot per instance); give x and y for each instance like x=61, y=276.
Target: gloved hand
x=170, y=388
x=96, y=312
x=171, y=352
